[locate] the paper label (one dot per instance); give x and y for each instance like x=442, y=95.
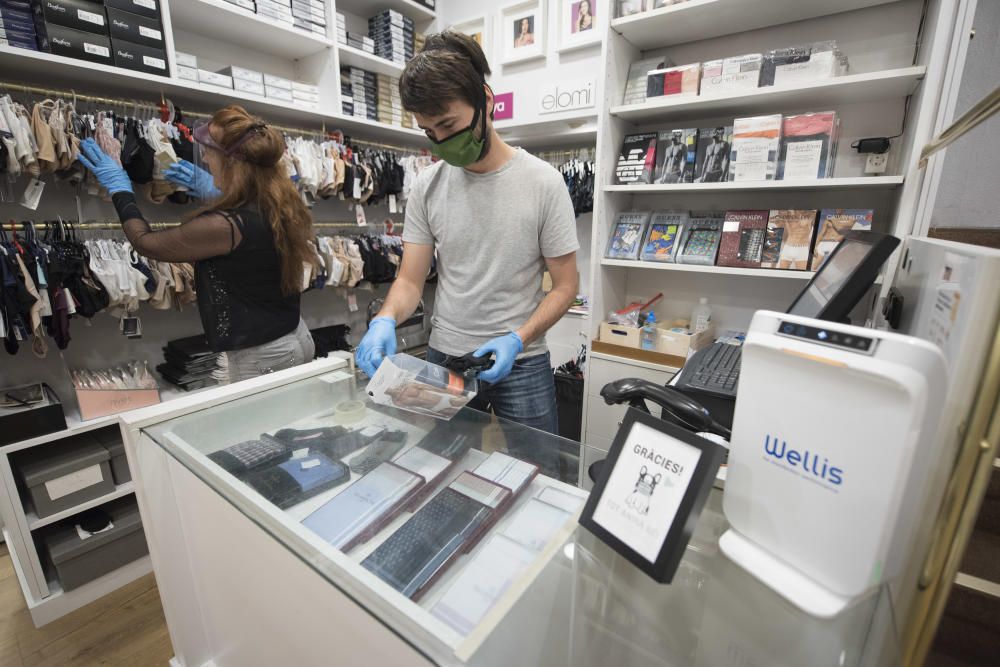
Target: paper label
x=150, y=61
x=731, y=226
x=311, y=463
x=78, y=480
x=97, y=50
x=150, y=33
x=300, y=453
x=359, y=214
x=392, y=204
x=90, y=17
x=32, y=194
x=148, y=4
x=802, y=160
x=357, y=188
x=352, y=302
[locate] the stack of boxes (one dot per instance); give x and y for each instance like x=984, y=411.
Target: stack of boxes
x=305, y=94
x=278, y=88
x=361, y=42
x=187, y=66
x=341, y=29
x=248, y=5
x=17, y=27
x=309, y=15
x=393, y=36
x=390, y=106
x=245, y=80
x=126, y=33
x=278, y=11
x=359, y=91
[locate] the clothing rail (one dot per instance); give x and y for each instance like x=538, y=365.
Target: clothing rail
x=135, y=104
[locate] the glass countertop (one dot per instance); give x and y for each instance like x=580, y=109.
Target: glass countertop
x=529, y=586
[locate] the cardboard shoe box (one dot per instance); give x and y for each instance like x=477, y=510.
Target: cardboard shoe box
x=139, y=57
x=135, y=29
x=78, y=44
x=148, y=8
x=76, y=14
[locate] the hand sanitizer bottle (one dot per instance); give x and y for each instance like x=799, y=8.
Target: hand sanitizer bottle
x=701, y=316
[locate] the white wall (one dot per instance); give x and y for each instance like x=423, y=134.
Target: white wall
x=967, y=195
x=526, y=78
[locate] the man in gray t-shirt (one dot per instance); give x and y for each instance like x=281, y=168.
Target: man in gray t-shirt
x=497, y=218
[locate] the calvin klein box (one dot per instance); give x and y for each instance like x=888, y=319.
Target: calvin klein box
x=135, y=29
x=247, y=86
x=147, y=8
x=140, y=57
x=188, y=73
x=215, y=79
x=75, y=14
x=243, y=73
x=79, y=44
x=186, y=59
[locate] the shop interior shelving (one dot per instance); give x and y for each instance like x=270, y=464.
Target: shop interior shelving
x=414, y=10
x=717, y=270
x=844, y=183
x=352, y=57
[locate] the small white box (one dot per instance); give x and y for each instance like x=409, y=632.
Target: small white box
x=305, y=97
x=215, y=79
x=243, y=73
x=305, y=87
x=279, y=94
x=189, y=73
x=186, y=59
x=247, y=86
x=272, y=81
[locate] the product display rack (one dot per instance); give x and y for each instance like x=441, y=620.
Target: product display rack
x=872, y=97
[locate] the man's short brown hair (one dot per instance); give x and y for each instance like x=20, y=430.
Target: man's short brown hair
x=450, y=67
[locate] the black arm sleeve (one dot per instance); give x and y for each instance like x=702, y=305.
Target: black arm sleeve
x=209, y=235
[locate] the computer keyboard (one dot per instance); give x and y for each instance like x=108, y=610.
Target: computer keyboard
x=714, y=370
x=414, y=553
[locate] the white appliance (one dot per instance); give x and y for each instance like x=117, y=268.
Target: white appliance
x=832, y=435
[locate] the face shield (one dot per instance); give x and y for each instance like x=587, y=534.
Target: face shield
x=204, y=142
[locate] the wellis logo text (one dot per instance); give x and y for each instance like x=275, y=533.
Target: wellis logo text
x=808, y=461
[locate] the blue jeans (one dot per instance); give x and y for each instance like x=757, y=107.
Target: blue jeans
x=527, y=397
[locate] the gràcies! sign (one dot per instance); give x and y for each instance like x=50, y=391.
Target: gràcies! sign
x=563, y=96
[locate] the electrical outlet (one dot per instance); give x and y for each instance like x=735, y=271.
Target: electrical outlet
x=876, y=163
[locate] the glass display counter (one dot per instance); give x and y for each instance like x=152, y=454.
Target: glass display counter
x=292, y=521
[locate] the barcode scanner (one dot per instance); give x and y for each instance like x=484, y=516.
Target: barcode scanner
x=688, y=412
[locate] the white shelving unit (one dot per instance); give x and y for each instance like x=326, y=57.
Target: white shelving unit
x=352, y=57
x=34, y=523
x=871, y=101
x=716, y=270
x=696, y=20
x=848, y=89
x=414, y=10
x=861, y=182
x=227, y=22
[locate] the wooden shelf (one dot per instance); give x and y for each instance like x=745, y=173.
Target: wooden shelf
x=35, y=523
x=702, y=19
x=867, y=87
x=718, y=270
x=368, y=8
x=352, y=57
x=227, y=22
x=860, y=183
x=82, y=76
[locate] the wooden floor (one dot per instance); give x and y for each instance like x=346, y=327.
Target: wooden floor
x=124, y=628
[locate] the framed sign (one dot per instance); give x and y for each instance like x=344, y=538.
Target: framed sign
x=521, y=31
x=581, y=23
x=479, y=30
x=651, y=491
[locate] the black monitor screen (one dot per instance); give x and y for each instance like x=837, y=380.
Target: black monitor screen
x=845, y=276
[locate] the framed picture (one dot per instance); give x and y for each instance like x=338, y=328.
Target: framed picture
x=521, y=31
x=477, y=29
x=581, y=23
x=651, y=491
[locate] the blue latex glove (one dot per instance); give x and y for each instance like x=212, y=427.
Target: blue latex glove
x=108, y=172
x=378, y=343
x=506, y=348
x=198, y=181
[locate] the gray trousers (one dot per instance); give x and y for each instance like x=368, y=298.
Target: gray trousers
x=292, y=349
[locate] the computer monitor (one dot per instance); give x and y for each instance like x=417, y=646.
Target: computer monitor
x=845, y=276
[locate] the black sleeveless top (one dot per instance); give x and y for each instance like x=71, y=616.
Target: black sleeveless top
x=239, y=294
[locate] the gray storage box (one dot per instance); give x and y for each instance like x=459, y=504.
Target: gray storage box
x=63, y=474
x=112, y=441
x=78, y=561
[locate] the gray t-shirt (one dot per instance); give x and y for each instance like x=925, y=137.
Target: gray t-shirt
x=491, y=232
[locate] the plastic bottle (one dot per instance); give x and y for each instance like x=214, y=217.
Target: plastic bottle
x=649, y=332
x=701, y=316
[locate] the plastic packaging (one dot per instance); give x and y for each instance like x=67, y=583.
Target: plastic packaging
x=701, y=316
x=649, y=332
x=419, y=386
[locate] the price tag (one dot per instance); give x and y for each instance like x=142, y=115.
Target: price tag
x=357, y=188
x=392, y=204
x=32, y=194
x=359, y=214
x=311, y=463
x=90, y=17
x=352, y=302
x=103, y=51
x=150, y=33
